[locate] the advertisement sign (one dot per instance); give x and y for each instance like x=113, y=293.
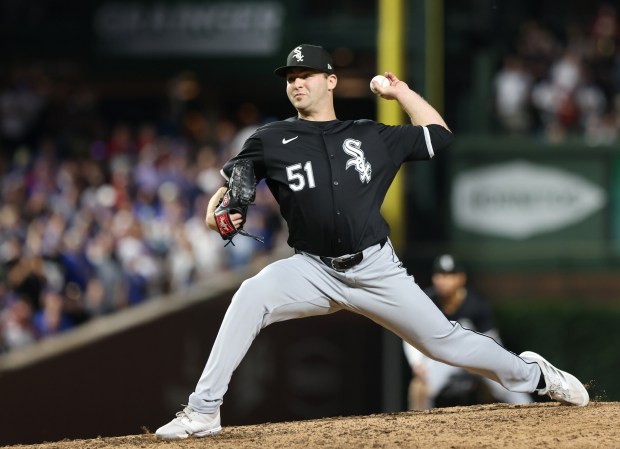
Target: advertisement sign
x=519, y=199
x=189, y=28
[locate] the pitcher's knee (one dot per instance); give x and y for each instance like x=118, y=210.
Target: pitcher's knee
x=247, y=297
x=251, y=295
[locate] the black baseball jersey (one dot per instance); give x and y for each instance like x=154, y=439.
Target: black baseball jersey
x=475, y=312
x=330, y=178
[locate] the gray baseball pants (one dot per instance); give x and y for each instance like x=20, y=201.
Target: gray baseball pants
x=378, y=288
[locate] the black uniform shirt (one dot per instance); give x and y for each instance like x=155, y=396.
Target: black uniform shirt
x=330, y=178
x=474, y=313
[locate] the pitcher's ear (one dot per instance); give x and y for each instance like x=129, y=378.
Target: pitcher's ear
x=332, y=81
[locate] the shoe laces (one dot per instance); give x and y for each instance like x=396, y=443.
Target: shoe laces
x=556, y=383
x=185, y=413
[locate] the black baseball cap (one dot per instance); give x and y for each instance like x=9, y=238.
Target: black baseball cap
x=309, y=57
x=447, y=263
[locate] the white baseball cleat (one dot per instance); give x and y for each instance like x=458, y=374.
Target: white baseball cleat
x=561, y=386
x=190, y=423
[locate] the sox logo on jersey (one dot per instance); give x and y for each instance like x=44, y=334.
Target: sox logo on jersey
x=353, y=148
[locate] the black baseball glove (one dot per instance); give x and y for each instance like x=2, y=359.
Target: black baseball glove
x=239, y=196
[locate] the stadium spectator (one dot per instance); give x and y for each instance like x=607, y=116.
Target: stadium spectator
x=106, y=290
x=512, y=96
x=537, y=47
x=16, y=325
x=52, y=318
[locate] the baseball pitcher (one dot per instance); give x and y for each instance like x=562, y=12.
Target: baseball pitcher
x=330, y=178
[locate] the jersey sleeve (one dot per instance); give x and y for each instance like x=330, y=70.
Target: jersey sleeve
x=253, y=150
x=415, y=142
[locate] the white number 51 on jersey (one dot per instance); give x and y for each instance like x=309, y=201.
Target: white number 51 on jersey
x=296, y=178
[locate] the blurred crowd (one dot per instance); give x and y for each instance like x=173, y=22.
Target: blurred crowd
x=558, y=85
x=97, y=216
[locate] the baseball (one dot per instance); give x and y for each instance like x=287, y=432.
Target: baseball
x=382, y=80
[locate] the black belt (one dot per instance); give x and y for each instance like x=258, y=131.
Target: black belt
x=344, y=263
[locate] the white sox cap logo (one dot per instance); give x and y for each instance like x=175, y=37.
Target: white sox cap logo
x=353, y=148
x=297, y=54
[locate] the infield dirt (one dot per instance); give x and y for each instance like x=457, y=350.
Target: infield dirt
x=538, y=425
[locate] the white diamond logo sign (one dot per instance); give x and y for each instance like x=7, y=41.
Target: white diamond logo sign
x=520, y=199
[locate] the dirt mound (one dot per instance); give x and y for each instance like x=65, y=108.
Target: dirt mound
x=486, y=426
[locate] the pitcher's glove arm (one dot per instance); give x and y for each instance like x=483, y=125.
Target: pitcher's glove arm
x=239, y=196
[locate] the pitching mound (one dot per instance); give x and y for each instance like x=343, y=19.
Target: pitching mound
x=487, y=426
